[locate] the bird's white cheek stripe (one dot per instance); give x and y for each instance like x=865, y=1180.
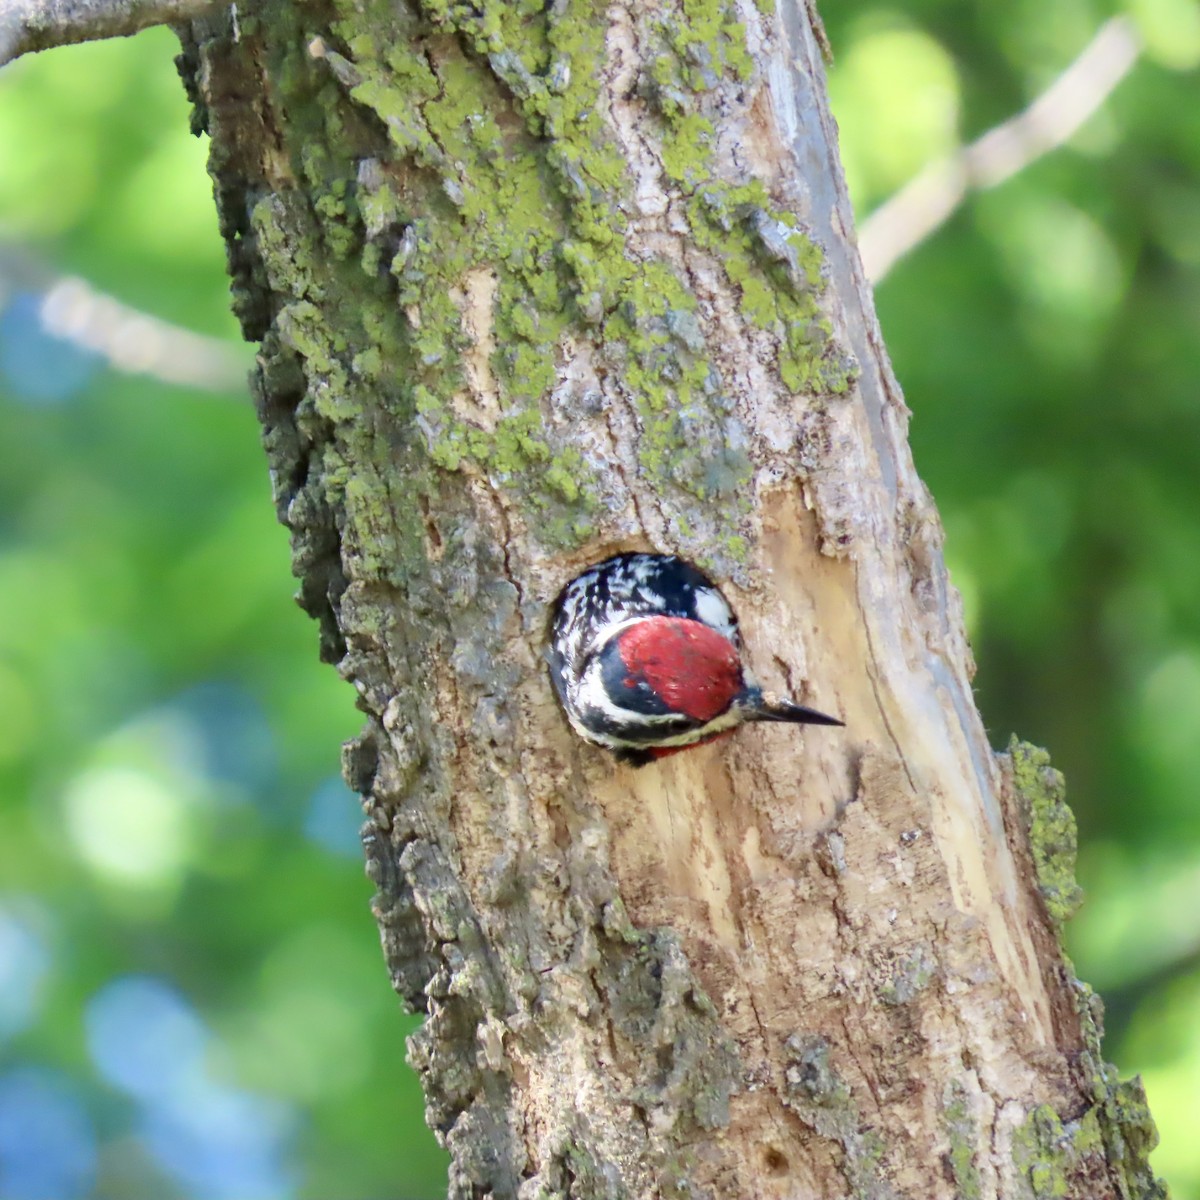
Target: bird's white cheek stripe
x=591, y=694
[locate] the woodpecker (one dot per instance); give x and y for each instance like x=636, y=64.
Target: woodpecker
x=646, y=658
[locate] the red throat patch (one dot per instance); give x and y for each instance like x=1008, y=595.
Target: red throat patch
x=694, y=669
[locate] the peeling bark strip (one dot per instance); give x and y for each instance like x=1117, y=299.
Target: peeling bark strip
x=535, y=283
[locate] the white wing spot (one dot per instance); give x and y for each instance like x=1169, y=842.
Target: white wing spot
x=712, y=609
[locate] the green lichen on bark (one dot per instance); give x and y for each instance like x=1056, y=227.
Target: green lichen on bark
x=1046, y=1152
x=494, y=116
x=1118, y=1127
x=497, y=173
x=341, y=384
x=455, y=195
x=1041, y=796
x=445, y=146
x=962, y=1132
x=764, y=251
x=1129, y=1135
x=654, y=998
x=1103, y=1152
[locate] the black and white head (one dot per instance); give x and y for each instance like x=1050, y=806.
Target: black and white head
x=646, y=659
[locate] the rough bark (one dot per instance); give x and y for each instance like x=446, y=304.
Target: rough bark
x=534, y=284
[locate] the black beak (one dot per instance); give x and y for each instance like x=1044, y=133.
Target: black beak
x=766, y=707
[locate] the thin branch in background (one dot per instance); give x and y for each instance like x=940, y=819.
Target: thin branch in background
x=138, y=343
x=923, y=205
x=72, y=310
x=27, y=25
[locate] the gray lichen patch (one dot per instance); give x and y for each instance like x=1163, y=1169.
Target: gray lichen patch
x=655, y=1000
x=819, y=1096
x=911, y=974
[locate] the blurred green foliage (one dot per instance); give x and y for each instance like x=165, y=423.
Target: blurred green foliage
x=192, y=1001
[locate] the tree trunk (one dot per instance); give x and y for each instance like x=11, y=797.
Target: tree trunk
x=539, y=283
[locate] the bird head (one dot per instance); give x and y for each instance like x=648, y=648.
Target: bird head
x=672, y=666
